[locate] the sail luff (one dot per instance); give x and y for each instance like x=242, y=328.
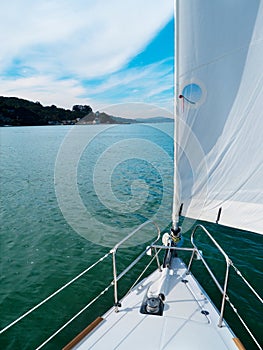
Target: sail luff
x=176, y=194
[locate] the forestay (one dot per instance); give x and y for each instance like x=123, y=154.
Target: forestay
x=219, y=111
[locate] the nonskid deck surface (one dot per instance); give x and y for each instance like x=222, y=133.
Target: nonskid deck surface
x=189, y=319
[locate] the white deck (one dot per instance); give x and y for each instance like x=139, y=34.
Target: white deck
x=182, y=325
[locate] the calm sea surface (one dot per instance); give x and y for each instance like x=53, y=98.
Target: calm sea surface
x=68, y=194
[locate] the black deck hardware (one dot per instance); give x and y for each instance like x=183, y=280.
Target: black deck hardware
x=153, y=305
x=117, y=304
x=218, y=214
x=204, y=312
x=181, y=209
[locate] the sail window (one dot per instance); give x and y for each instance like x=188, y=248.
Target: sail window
x=192, y=93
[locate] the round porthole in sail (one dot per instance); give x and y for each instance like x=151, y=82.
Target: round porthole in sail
x=192, y=94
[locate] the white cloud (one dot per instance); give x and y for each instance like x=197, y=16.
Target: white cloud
x=50, y=47
x=44, y=89
x=86, y=38
x=137, y=78
x=125, y=88
x=137, y=110
x=149, y=84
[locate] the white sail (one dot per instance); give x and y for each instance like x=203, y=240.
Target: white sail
x=220, y=111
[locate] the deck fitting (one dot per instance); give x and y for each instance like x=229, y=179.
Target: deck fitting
x=204, y=312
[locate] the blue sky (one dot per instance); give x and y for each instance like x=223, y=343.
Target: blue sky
x=114, y=55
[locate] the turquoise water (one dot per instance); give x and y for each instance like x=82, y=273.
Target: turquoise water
x=56, y=222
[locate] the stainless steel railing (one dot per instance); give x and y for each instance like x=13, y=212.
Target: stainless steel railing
x=114, y=251
x=228, y=263
x=153, y=246
x=223, y=290
x=113, y=283
x=196, y=251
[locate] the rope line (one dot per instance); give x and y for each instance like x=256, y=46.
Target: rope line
x=74, y=317
x=144, y=270
x=243, y=323
x=52, y=295
x=246, y=282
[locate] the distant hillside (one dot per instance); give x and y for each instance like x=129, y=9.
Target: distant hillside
x=19, y=112
x=103, y=118
x=124, y=120
x=155, y=120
